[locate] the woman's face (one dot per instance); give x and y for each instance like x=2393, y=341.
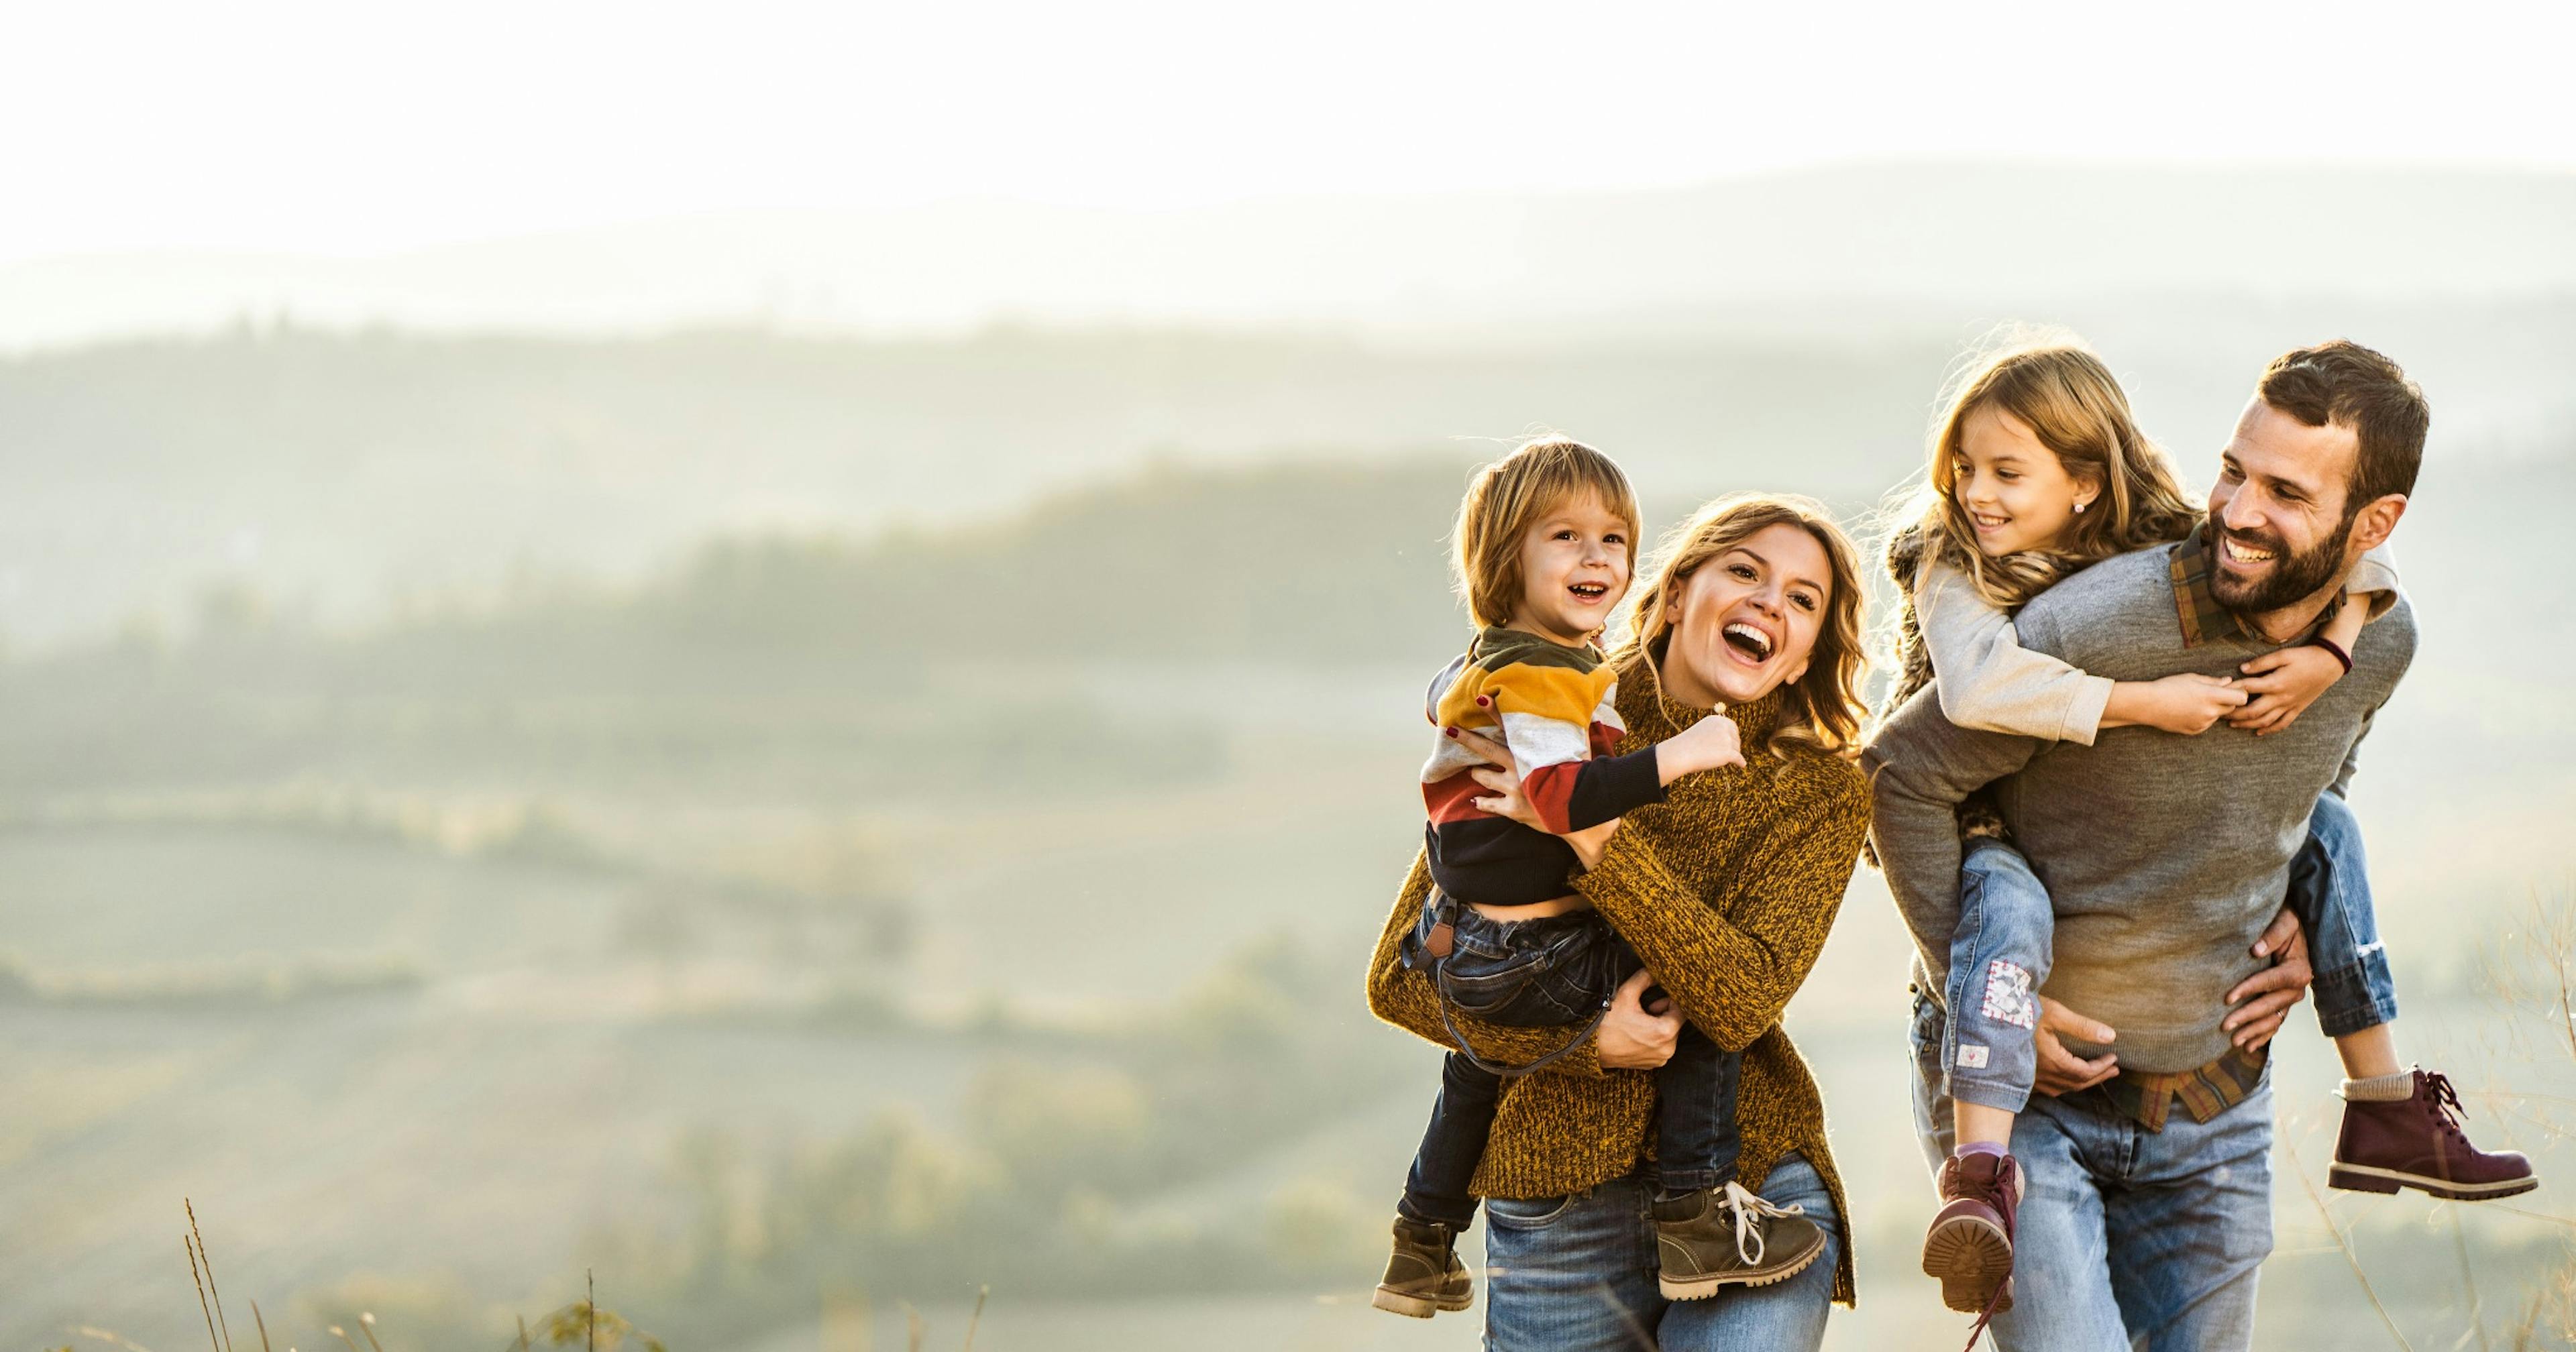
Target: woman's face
x=1747, y=620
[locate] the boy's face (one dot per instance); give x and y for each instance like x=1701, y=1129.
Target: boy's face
x=1575, y=562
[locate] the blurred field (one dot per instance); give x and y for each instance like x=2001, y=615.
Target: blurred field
x=804, y=827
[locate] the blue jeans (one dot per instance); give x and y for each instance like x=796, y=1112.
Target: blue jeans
x=1999, y=955
x=2126, y=1237
x=1577, y=1274
x=1556, y=972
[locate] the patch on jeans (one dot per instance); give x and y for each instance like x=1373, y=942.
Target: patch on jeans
x=2008, y=997
x=1972, y=1056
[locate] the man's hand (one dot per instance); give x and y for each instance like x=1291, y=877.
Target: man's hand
x=2062, y=1071
x=2266, y=996
x=1629, y=1037
x=2283, y=684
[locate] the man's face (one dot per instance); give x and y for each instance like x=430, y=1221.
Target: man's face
x=2277, y=510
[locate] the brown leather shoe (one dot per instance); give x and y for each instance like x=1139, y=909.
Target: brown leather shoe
x=2416, y=1142
x=1424, y=1276
x=1718, y=1237
x=1970, y=1244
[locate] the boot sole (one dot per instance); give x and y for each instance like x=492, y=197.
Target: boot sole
x=1701, y=1288
x=2370, y=1178
x=1418, y=1307
x=1972, y=1259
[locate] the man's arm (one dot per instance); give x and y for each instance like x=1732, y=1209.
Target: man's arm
x=1920, y=766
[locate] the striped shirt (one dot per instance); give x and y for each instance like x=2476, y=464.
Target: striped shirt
x=1553, y=706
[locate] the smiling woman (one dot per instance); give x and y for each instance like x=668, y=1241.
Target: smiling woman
x=1725, y=892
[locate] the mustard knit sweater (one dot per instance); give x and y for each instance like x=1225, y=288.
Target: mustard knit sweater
x=1726, y=890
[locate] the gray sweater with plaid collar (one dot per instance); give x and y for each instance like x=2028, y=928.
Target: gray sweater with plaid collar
x=2165, y=855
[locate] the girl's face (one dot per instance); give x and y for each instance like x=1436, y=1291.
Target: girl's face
x=1574, y=568
x=1746, y=621
x=2014, y=489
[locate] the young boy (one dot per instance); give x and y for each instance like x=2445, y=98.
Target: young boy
x=1546, y=546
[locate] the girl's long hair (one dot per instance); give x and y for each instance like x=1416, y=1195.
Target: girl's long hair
x=2052, y=381
x=1823, y=707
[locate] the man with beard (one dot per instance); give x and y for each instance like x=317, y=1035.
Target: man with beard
x=2143, y=1206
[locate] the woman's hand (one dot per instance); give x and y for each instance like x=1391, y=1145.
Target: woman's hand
x=1632, y=1038
x=2284, y=684
x=1503, y=798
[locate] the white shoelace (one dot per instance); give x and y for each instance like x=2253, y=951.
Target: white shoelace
x=1749, y=1211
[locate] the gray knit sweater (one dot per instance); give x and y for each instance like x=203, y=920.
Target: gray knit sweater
x=2165, y=855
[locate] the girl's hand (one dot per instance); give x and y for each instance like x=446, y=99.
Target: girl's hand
x=2286, y=683
x=1631, y=1038
x=2185, y=702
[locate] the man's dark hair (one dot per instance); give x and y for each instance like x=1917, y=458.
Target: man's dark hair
x=2344, y=383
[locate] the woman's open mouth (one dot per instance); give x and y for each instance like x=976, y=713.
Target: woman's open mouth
x=1751, y=646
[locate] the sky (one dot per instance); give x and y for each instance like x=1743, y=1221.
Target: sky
x=359, y=129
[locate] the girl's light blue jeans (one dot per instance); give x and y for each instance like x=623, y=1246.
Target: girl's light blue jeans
x=1999, y=955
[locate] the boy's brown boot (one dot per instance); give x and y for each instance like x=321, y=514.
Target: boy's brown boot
x=1424, y=1276
x=1970, y=1244
x=2416, y=1142
x=1718, y=1237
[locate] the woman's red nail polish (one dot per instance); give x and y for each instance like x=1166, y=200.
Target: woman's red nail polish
x=1451, y=732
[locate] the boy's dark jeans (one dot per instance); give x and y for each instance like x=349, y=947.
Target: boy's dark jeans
x=1548, y=973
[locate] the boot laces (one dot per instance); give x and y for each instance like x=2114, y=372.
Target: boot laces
x=1750, y=1210
x=2443, y=1103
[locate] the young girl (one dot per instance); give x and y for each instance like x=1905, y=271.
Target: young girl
x=1546, y=543
x=2037, y=470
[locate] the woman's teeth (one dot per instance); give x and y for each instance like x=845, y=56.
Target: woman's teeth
x=1749, y=639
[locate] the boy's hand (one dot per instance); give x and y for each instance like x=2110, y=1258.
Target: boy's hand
x=2188, y=702
x=2285, y=684
x=1705, y=745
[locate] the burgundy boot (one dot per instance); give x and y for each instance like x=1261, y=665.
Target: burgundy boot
x=1970, y=1245
x=2416, y=1142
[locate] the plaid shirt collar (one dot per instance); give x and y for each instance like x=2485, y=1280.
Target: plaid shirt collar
x=2203, y=619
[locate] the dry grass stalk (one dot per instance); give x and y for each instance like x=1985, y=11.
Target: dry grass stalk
x=343, y=1335
x=523, y=1332
x=367, y=1326
x=190, y=1245
x=912, y=1317
x=217, y=1291
x=2299, y=1167
x=976, y=1318
x=263, y=1326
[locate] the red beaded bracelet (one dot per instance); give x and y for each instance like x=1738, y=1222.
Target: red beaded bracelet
x=2321, y=641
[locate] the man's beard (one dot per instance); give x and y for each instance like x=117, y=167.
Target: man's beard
x=2293, y=577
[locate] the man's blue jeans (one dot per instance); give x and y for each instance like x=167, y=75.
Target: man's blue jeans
x=2126, y=1237
x=2000, y=953
x=1577, y=1274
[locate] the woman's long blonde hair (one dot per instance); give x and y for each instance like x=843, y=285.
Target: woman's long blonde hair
x=2052, y=381
x=1823, y=707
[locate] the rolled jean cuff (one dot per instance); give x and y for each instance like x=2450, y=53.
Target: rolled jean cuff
x=1997, y=1094
x=1687, y=1180
x=2352, y=998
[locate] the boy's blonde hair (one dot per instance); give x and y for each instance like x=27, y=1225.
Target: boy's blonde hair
x=2052, y=381
x=1506, y=496
x=1823, y=707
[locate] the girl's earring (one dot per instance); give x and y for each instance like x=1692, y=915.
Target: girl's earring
x=2079, y=507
